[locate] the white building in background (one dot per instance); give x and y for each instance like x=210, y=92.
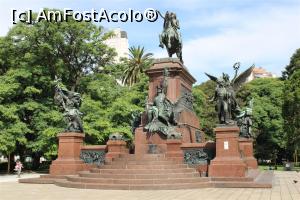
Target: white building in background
x=120, y=43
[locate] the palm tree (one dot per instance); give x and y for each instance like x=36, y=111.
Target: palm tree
x=137, y=63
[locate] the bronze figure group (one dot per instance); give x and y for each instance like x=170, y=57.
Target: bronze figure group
x=226, y=103
x=161, y=112
x=229, y=112
x=69, y=102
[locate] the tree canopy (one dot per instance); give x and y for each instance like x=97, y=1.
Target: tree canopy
x=30, y=58
x=293, y=66
x=291, y=106
x=205, y=109
x=267, y=115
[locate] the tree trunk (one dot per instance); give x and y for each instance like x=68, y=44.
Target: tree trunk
x=8, y=163
x=77, y=79
x=35, y=161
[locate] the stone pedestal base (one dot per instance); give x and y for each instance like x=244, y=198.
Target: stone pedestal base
x=115, y=148
x=234, y=167
x=68, y=161
x=197, y=155
x=228, y=161
x=246, y=148
x=143, y=142
x=174, y=149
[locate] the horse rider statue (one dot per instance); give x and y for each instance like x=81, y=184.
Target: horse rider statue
x=170, y=36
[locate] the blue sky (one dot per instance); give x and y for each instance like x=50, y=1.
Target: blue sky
x=216, y=33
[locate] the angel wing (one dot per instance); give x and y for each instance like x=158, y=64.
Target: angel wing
x=213, y=78
x=236, y=83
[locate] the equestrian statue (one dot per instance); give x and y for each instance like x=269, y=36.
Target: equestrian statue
x=170, y=36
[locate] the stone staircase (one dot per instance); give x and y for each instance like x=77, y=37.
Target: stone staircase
x=129, y=172
x=151, y=172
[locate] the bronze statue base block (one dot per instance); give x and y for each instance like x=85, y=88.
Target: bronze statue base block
x=142, y=140
x=234, y=167
x=68, y=161
x=115, y=148
x=174, y=150
x=228, y=161
x=246, y=148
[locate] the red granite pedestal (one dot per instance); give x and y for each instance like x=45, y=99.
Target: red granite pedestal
x=246, y=148
x=174, y=150
x=68, y=161
x=180, y=83
x=115, y=148
x=228, y=161
x=143, y=140
x=208, y=146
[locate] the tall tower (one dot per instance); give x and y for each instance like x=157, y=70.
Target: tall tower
x=120, y=42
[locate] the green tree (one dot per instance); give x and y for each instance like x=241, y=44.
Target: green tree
x=68, y=49
x=107, y=106
x=137, y=63
x=12, y=129
x=205, y=109
x=293, y=65
x=6, y=54
x=267, y=115
x=291, y=106
x=30, y=57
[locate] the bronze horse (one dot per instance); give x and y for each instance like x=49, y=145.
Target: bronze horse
x=171, y=37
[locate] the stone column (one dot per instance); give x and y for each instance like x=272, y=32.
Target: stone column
x=68, y=160
x=228, y=161
x=246, y=147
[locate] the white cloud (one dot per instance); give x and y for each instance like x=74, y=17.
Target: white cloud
x=265, y=37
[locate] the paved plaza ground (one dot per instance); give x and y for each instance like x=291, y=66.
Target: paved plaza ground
x=284, y=188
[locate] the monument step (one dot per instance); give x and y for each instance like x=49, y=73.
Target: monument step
x=220, y=184
x=43, y=179
x=142, y=156
x=37, y=180
x=253, y=173
x=144, y=162
x=134, y=166
x=139, y=176
x=140, y=159
x=141, y=171
x=65, y=183
x=49, y=176
x=232, y=179
x=135, y=181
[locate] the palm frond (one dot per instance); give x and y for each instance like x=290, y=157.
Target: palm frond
x=136, y=64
